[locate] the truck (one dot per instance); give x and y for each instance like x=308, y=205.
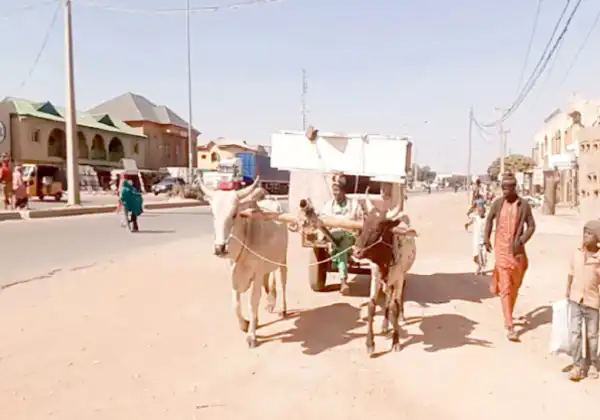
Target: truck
x=273, y=180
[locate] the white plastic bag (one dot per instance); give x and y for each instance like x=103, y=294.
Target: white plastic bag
x=560, y=341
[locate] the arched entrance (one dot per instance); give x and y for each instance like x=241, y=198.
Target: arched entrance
x=57, y=144
x=84, y=153
x=98, y=148
x=116, y=151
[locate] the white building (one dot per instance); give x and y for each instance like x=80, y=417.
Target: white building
x=557, y=142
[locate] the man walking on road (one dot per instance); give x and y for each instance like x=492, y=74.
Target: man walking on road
x=514, y=227
x=6, y=181
x=583, y=290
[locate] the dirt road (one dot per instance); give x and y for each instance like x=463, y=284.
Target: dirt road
x=139, y=339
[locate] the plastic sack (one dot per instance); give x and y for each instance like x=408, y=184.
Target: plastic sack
x=560, y=340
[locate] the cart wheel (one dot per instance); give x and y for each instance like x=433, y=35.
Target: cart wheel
x=41, y=197
x=57, y=196
x=317, y=273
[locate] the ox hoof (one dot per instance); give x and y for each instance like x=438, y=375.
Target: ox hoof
x=283, y=313
x=396, y=347
x=270, y=307
x=251, y=341
x=385, y=330
x=370, y=348
x=402, y=321
x=244, y=325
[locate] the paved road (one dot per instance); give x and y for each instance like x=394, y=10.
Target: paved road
x=37, y=247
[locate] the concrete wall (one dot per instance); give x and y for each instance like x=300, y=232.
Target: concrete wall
x=561, y=123
x=5, y=144
x=589, y=173
x=166, y=145
x=31, y=137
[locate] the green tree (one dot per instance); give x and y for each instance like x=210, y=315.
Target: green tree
x=425, y=174
x=512, y=163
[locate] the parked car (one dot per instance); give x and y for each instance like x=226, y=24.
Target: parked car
x=166, y=185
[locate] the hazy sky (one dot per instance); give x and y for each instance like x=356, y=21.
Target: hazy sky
x=380, y=66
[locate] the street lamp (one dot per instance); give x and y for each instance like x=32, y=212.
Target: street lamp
x=189, y=76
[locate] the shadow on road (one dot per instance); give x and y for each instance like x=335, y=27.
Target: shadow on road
x=322, y=328
x=535, y=319
x=442, y=288
x=436, y=288
x=446, y=331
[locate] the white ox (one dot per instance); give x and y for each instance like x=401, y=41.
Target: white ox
x=256, y=249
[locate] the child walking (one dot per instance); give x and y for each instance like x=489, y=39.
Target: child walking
x=583, y=290
x=477, y=220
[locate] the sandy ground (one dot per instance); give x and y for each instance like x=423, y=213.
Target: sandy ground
x=123, y=340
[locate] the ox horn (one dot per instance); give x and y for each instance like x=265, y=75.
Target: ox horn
x=245, y=192
x=394, y=213
x=368, y=201
x=208, y=192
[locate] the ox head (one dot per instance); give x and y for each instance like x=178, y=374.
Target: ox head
x=225, y=207
x=376, y=238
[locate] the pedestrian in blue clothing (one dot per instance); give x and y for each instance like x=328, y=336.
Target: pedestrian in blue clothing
x=133, y=203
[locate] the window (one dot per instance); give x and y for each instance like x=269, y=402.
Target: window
x=557, y=143
x=35, y=137
x=214, y=157
x=176, y=150
x=203, y=157
x=136, y=148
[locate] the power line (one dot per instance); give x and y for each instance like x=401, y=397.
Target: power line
x=27, y=8
x=42, y=47
x=175, y=11
x=580, y=50
x=541, y=66
x=531, y=37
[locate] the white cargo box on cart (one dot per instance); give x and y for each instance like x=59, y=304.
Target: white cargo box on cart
x=354, y=154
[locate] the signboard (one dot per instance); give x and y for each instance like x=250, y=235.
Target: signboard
x=352, y=154
x=563, y=161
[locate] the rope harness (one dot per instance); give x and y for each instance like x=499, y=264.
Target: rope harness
x=256, y=254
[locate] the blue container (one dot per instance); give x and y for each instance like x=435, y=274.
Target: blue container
x=268, y=173
x=248, y=164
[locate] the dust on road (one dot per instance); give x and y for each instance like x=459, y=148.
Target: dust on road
x=140, y=339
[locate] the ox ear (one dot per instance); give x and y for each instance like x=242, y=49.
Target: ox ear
x=394, y=214
x=402, y=229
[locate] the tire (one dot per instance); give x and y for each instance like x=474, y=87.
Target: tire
x=156, y=193
x=41, y=197
x=317, y=273
x=57, y=196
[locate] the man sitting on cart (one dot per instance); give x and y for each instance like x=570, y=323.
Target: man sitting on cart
x=344, y=207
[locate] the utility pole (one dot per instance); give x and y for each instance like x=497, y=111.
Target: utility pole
x=304, y=109
x=502, y=132
x=72, y=144
x=189, y=81
x=469, y=152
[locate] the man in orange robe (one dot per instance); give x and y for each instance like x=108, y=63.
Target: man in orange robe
x=514, y=227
